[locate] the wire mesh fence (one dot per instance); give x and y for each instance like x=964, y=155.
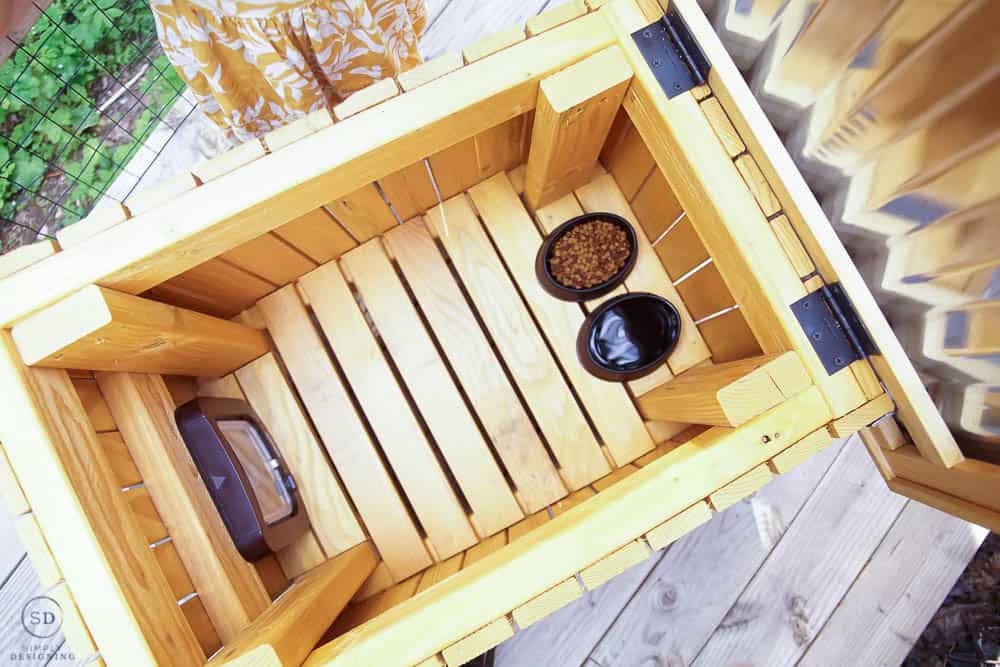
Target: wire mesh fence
x=81, y=95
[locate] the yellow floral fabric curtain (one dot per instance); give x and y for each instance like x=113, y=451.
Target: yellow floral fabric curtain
x=255, y=65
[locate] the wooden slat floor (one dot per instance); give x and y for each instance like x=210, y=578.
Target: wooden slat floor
x=823, y=566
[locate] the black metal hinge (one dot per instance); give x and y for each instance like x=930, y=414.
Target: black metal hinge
x=672, y=53
x=832, y=324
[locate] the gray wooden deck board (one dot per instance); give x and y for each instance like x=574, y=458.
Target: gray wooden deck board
x=731, y=591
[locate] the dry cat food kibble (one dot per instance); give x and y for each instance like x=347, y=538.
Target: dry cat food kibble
x=589, y=254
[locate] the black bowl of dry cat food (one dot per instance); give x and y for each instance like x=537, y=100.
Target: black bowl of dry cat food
x=586, y=257
x=628, y=336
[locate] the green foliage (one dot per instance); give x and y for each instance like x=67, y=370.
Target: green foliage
x=67, y=62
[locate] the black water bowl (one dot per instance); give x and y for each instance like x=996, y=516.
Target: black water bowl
x=560, y=291
x=628, y=336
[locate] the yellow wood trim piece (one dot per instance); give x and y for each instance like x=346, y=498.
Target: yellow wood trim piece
x=572, y=119
x=296, y=621
x=152, y=197
x=430, y=70
x=68, y=482
x=433, y=661
x=74, y=628
x=548, y=602
x=34, y=543
x=498, y=41
x=739, y=489
x=273, y=400
x=289, y=183
x=26, y=255
x=614, y=564
x=701, y=91
x=554, y=17
x=885, y=433
x=615, y=477
x=801, y=451
x=963, y=509
x=863, y=416
x=575, y=539
x=526, y=525
x=104, y=216
x=661, y=433
x=478, y=642
x=366, y=98
x=679, y=525
x=792, y=246
x=101, y=329
x=726, y=394
x=440, y=571
x=723, y=127
x=572, y=500
x=230, y=587
x=231, y=160
x=971, y=480
x=311, y=123
x=758, y=185
x=10, y=488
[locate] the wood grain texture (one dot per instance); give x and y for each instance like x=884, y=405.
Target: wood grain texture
x=498, y=41
x=101, y=329
x=681, y=249
x=410, y=190
x=517, y=239
x=629, y=162
x=740, y=488
x=548, y=602
x=173, y=569
x=293, y=624
x=672, y=616
x=547, y=555
x=94, y=404
x=329, y=510
x=656, y=207
x=269, y=257
x=729, y=337
x=575, y=110
x=723, y=127
x=556, y=16
x=892, y=599
x=601, y=194
x=678, y=526
x=229, y=161
x=381, y=398
x=428, y=71
x=478, y=642
x=363, y=212
x=316, y=235
x=971, y=480
x=432, y=389
x=490, y=392
x=863, y=416
x=614, y=564
x=850, y=508
x=30, y=534
x=518, y=341
x=230, y=587
x=343, y=434
x=214, y=287
x=26, y=255
x=705, y=292
x=86, y=522
x=801, y=451
x=725, y=394
x=119, y=458
x=366, y=98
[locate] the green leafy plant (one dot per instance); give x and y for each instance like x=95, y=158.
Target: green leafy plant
x=70, y=63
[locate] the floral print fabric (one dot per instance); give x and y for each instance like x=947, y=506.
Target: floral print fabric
x=255, y=65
